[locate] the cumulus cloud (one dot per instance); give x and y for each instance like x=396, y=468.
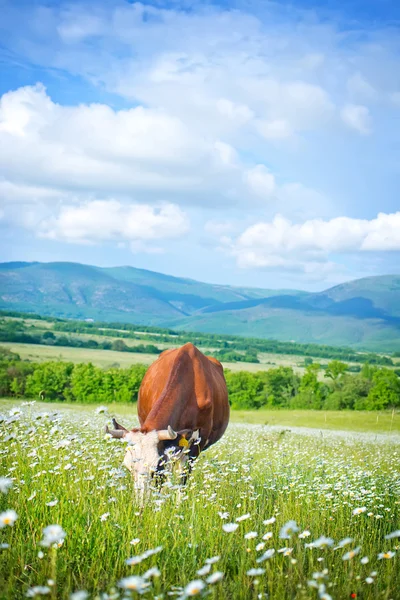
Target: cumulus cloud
x=50, y=153
x=283, y=244
x=260, y=181
x=357, y=117
x=111, y=221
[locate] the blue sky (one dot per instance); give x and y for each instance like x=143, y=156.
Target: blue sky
x=249, y=143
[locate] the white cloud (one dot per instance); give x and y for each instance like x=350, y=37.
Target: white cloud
x=357, y=117
x=274, y=130
x=260, y=181
x=281, y=243
x=110, y=221
x=57, y=154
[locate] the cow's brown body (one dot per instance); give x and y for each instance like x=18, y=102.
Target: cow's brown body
x=185, y=389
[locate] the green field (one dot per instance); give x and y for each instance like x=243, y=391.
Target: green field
x=264, y=515
x=111, y=358
x=361, y=421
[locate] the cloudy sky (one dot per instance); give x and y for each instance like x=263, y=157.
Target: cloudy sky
x=244, y=142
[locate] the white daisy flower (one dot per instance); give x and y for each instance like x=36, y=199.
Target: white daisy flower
x=230, y=527
x=8, y=517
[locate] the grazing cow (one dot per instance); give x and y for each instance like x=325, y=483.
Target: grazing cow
x=182, y=408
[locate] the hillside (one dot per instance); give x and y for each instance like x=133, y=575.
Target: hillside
x=364, y=313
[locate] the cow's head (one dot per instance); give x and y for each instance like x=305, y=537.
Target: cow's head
x=148, y=452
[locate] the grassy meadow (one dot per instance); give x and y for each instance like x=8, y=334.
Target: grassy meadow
x=111, y=358
x=266, y=514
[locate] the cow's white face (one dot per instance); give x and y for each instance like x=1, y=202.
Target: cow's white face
x=142, y=457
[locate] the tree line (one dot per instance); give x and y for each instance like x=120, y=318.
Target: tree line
x=224, y=343
x=374, y=388
x=16, y=332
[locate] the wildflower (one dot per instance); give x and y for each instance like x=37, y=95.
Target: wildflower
x=104, y=516
x=193, y=588
x=134, y=582
x=223, y=515
x=153, y=572
x=322, y=542
x=81, y=595
x=212, y=560
x=204, y=570
x=243, y=517
x=351, y=554
x=260, y=546
x=134, y=542
x=344, y=542
x=288, y=530
x=134, y=560
x=251, y=535
x=38, y=590
x=369, y=580
x=8, y=518
x=304, y=534
x=268, y=554
x=215, y=577
x=358, y=511
x=364, y=560
x=52, y=502
x=101, y=409
x=394, y=534
x=269, y=521
x=230, y=527
x=386, y=555
x=152, y=551
x=255, y=572
x=5, y=484
x=53, y=534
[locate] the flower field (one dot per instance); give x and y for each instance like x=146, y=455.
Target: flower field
x=266, y=514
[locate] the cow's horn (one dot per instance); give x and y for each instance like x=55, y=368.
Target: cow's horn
x=115, y=433
x=167, y=434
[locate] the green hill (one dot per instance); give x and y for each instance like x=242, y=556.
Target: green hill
x=364, y=313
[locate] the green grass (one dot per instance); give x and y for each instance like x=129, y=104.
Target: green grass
x=317, y=482
x=362, y=421
x=108, y=358
x=384, y=422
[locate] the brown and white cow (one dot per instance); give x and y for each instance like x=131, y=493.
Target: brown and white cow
x=182, y=408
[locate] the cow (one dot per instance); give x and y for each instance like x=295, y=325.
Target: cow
x=183, y=409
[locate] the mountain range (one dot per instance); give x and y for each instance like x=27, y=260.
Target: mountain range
x=364, y=313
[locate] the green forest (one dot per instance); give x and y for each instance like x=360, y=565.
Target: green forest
x=373, y=388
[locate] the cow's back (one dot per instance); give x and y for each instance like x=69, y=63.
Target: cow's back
x=185, y=389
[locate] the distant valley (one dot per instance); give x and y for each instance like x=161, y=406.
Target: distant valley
x=363, y=314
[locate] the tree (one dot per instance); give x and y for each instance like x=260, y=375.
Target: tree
x=350, y=393
x=119, y=346
x=281, y=384
x=385, y=391
x=335, y=369
x=48, y=335
x=245, y=390
x=50, y=379
x=310, y=390
x=87, y=383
